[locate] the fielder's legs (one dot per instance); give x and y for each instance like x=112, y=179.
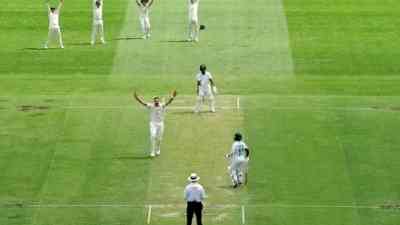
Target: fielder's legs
x=147, y=26
x=234, y=171
x=153, y=139
x=94, y=34
x=101, y=32
x=190, y=31
x=199, y=101
x=50, y=37
x=58, y=32
x=196, y=28
x=211, y=102
x=159, y=133
x=142, y=25
x=243, y=172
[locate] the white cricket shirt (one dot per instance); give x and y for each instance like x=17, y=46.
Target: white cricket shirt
x=193, y=10
x=156, y=112
x=143, y=10
x=238, y=150
x=194, y=192
x=97, y=12
x=54, y=19
x=204, y=80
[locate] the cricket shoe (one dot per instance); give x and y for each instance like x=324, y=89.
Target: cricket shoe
x=152, y=155
x=158, y=153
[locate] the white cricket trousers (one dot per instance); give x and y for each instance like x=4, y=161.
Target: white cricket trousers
x=156, y=134
x=194, y=29
x=237, y=169
x=201, y=98
x=97, y=30
x=53, y=35
x=145, y=23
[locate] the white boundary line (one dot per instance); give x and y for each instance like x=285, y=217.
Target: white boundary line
x=212, y=206
x=243, y=215
x=149, y=214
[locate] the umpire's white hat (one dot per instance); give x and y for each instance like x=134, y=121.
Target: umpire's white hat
x=193, y=177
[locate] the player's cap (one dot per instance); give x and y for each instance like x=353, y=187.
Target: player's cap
x=238, y=136
x=193, y=177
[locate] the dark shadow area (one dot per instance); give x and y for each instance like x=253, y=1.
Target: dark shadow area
x=39, y=49
x=127, y=38
x=37, y=114
x=132, y=157
x=177, y=41
x=78, y=44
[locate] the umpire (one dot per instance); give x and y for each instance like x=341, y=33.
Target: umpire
x=194, y=195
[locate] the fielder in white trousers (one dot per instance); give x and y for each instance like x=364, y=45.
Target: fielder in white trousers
x=206, y=89
x=239, y=157
x=54, y=33
x=144, y=18
x=98, y=24
x=157, y=111
x=194, y=26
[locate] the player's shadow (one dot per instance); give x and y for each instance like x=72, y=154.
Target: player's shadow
x=79, y=44
x=39, y=49
x=127, y=38
x=176, y=41
x=132, y=157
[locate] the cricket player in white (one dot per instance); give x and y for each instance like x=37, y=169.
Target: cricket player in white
x=144, y=11
x=205, y=89
x=157, y=111
x=98, y=27
x=54, y=24
x=239, y=157
x=194, y=25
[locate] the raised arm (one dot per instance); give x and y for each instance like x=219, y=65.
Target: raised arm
x=48, y=5
x=139, y=99
x=139, y=3
x=60, y=5
x=173, y=95
x=150, y=3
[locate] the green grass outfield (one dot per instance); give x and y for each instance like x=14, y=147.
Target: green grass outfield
x=318, y=84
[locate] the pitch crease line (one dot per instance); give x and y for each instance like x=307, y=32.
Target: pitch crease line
x=215, y=206
x=243, y=215
x=149, y=214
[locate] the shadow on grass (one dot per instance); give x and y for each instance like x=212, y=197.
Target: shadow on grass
x=177, y=41
x=39, y=49
x=132, y=157
x=79, y=44
x=127, y=38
